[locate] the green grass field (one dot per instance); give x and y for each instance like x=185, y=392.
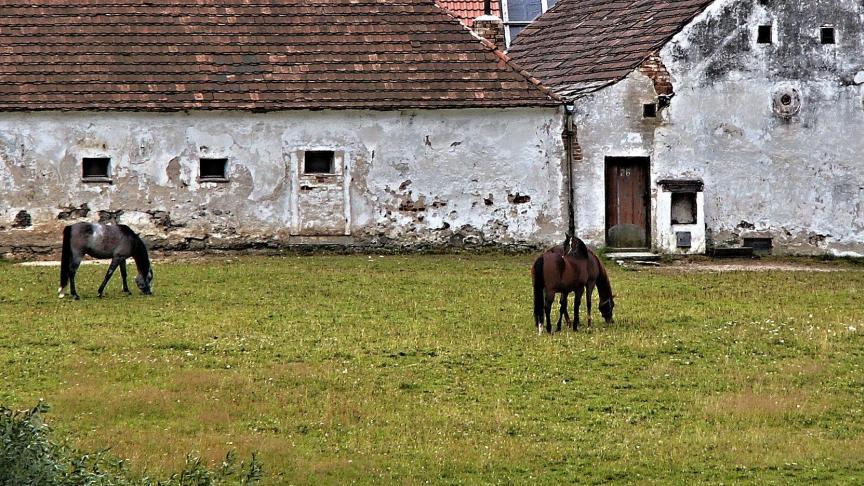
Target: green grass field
x=410, y=369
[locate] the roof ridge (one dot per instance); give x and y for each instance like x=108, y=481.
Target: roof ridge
x=516, y=67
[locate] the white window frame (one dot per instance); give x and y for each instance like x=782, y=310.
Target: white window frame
x=505, y=16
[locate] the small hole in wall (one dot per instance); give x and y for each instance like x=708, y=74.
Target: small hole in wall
x=649, y=110
x=764, y=35
x=827, y=36
x=786, y=100
x=95, y=169
x=213, y=170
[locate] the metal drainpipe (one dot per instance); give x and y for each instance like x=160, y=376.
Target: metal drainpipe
x=569, y=138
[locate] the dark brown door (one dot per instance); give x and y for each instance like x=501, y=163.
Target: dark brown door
x=627, y=223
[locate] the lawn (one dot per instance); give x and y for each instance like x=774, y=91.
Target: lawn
x=407, y=369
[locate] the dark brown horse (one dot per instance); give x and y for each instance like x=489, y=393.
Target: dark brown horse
x=564, y=269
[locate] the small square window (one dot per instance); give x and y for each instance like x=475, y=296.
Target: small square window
x=765, y=35
x=95, y=169
x=827, y=35
x=649, y=110
x=213, y=170
x=319, y=162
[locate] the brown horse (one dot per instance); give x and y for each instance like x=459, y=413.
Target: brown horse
x=564, y=269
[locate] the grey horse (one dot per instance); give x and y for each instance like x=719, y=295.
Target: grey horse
x=117, y=242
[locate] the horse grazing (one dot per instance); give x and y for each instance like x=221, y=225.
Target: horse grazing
x=564, y=269
x=116, y=242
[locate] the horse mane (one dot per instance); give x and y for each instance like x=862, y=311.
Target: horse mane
x=582, y=250
x=604, y=286
x=139, y=250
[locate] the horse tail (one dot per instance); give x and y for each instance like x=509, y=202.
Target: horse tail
x=66, y=257
x=539, y=287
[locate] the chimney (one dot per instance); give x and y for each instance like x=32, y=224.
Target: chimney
x=491, y=28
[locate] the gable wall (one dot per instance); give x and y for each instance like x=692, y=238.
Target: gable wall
x=799, y=180
x=414, y=178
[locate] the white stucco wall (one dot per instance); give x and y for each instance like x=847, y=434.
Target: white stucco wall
x=411, y=178
x=799, y=180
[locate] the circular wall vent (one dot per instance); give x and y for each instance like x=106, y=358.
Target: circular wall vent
x=786, y=101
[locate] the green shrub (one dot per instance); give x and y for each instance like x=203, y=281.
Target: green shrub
x=29, y=457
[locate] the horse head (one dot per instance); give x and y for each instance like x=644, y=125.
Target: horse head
x=606, y=309
x=145, y=283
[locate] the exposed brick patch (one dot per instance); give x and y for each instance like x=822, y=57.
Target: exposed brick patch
x=654, y=68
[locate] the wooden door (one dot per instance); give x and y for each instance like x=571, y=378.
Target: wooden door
x=627, y=202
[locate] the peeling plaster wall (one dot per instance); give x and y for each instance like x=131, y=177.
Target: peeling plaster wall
x=798, y=179
x=414, y=178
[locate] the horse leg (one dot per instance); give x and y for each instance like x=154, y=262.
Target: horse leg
x=589, y=290
x=123, y=274
x=73, y=269
x=550, y=299
x=579, y=292
x=564, y=311
x=115, y=262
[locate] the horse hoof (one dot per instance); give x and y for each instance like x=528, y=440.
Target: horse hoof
x=75, y=297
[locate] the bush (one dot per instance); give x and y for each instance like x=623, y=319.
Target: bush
x=29, y=457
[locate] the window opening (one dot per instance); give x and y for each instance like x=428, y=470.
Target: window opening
x=683, y=208
x=827, y=35
x=649, y=110
x=517, y=14
x=319, y=162
x=95, y=169
x=213, y=170
x=765, y=35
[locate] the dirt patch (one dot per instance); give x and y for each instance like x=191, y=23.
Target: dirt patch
x=755, y=266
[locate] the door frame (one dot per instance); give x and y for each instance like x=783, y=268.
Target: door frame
x=645, y=162
x=341, y=171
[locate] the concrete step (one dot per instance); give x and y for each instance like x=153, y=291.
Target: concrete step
x=633, y=256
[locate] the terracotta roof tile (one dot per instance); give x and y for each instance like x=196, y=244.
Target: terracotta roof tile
x=579, y=46
x=260, y=55
x=466, y=12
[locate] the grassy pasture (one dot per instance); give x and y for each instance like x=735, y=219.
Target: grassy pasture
x=410, y=369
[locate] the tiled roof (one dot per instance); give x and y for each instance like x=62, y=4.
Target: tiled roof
x=468, y=11
x=580, y=46
x=259, y=55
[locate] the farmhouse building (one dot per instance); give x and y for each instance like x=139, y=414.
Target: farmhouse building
x=711, y=123
x=232, y=124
